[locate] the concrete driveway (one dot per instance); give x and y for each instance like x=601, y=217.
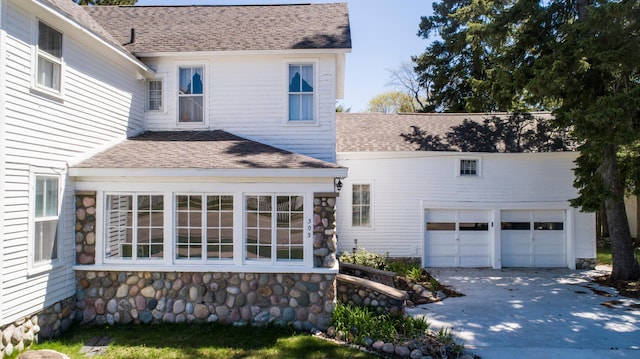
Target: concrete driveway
x=535, y=313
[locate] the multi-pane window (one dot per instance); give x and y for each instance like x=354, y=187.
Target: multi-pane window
x=190, y=95
x=49, y=66
x=468, y=167
x=274, y=227
x=134, y=226
x=154, y=95
x=258, y=227
x=45, y=245
x=290, y=226
x=204, y=227
x=361, y=205
x=301, y=93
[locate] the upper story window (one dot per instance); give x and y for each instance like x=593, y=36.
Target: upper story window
x=301, y=92
x=361, y=205
x=468, y=168
x=45, y=239
x=191, y=95
x=154, y=95
x=49, y=68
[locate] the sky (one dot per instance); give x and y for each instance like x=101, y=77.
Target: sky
x=383, y=36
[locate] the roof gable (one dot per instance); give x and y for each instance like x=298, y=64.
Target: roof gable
x=226, y=28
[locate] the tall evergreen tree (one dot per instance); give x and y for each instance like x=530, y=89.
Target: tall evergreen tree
x=578, y=58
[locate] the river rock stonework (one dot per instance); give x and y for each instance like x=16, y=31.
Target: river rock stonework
x=324, y=230
x=85, y=227
x=304, y=300
x=48, y=323
x=585, y=263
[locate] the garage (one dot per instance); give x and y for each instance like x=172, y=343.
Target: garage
x=457, y=238
x=533, y=238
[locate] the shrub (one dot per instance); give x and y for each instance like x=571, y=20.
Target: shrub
x=365, y=258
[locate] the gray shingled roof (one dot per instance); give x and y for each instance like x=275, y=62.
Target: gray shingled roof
x=371, y=132
x=227, y=28
x=77, y=14
x=198, y=149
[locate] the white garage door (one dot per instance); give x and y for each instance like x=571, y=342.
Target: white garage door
x=457, y=238
x=533, y=239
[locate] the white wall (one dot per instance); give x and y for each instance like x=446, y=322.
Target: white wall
x=101, y=102
x=246, y=95
x=403, y=183
x=631, y=206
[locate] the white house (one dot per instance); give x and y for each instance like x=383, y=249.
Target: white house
x=453, y=208
x=167, y=164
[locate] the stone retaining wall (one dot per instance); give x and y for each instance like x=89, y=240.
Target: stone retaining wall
x=48, y=323
x=585, y=263
x=304, y=300
x=363, y=292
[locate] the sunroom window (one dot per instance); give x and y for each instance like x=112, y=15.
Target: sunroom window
x=135, y=227
x=204, y=227
x=274, y=227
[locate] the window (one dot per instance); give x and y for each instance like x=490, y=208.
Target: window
x=301, y=95
x=49, y=57
x=190, y=95
x=204, y=227
x=154, y=95
x=274, y=227
x=45, y=245
x=361, y=205
x=468, y=167
x=135, y=227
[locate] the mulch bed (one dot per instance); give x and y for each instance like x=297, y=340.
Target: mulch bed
x=630, y=288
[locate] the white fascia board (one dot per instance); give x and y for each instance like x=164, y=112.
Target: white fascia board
x=201, y=172
x=340, y=74
x=344, y=156
x=242, y=52
x=520, y=205
x=202, y=268
x=124, y=53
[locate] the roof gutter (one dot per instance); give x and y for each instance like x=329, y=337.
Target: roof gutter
x=339, y=172
x=145, y=70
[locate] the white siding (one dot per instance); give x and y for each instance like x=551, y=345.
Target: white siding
x=101, y=101
x=246, y=95
x=405, y=183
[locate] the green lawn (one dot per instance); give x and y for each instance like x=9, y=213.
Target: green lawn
x=196, y=341
x=603, y=255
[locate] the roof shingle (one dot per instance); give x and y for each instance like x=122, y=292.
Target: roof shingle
x=372, y=132
x=226, y=28
x=201, y=150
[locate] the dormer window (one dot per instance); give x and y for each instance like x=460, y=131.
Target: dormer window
x=301, y=92
x=49, y=68
x=154, y=95
x=191, y=95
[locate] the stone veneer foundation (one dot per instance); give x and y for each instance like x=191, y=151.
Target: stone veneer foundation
x=585, y=263
x=48, y=323
x=305, y=300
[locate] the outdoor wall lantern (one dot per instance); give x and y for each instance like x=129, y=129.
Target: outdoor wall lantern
x=338, y=184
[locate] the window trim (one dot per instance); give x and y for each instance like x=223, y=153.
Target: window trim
x=316, y=103
x=204, y=94
x=45, y=265
x=371, y=201
x=458, y=167
x=36, y=86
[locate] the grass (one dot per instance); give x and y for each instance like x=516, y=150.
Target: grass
x=191, y=341
x=603, y=255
